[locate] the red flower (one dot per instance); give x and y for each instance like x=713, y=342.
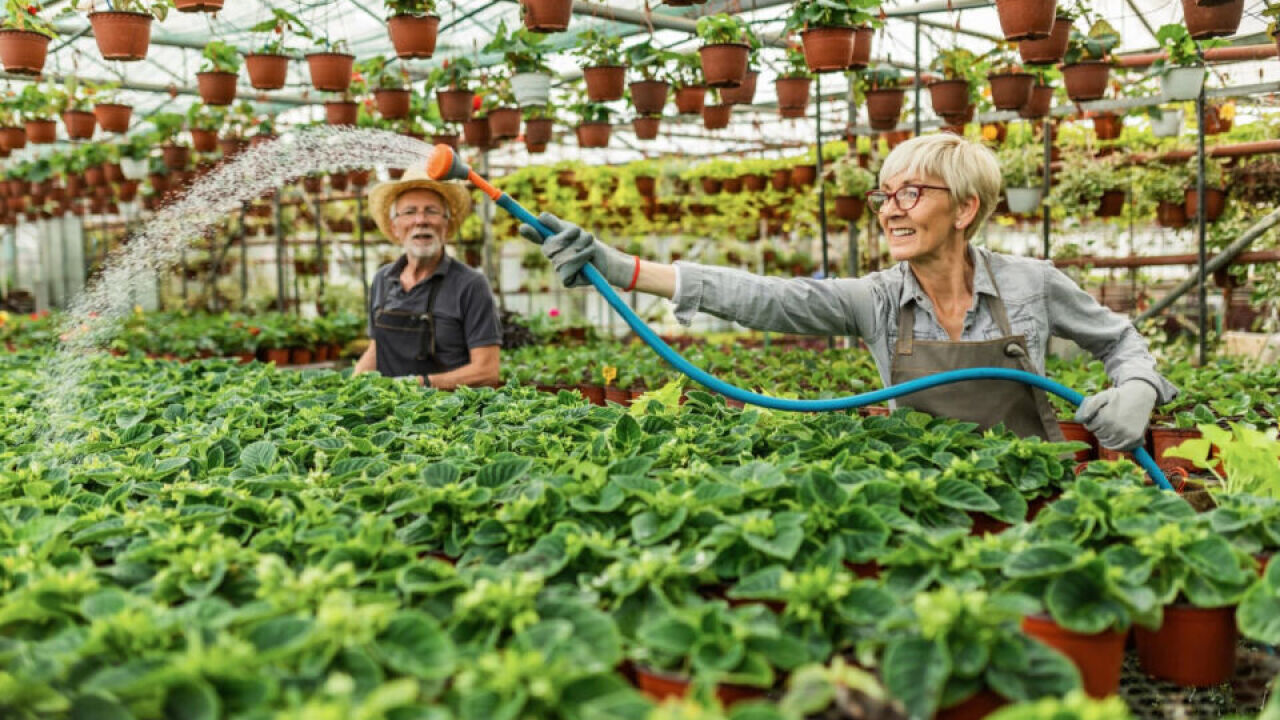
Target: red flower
x=34, y=316
x=475, y=102
x=254, y=330
x=33, y=9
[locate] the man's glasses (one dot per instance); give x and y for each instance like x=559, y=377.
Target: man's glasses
x=427, y=213
x=907, y=196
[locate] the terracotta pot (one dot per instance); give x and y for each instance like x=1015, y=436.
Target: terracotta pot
x=646, y=127
x=689, y=100
x=476, y=133
x=1208, y=21
x=279, y=356
x=949, y=97
x=1164, y=438
x=649, y=96
x=176, y=157
x=978, y=706
x=1038, y=104
x=1086, y=81
x=232, y=146
x=537, y=131
x=1107, y=126
x=392, y=103
x=209, y=6
x=330, y=71
x=1215, y=201
x=781, y=179
x=710, y=185
x=1099, y=656
x=617, y=395
x=1011, y=91
x=450, y=139
x=13, y=138
x=827, y=49
x=113, y=117
x=80, y=124
x=850, y=207
x=1049, y=50
x=724, y=64
x=455, y=105
x=313, y=184
x=646, y=186
x=23, y=51
x=358, y=178
x=802, y=175
x=593, y=135
x=547, y=15
x=862, y=38
x=205, y=141
x=593, y=393
x=413, y=36
x=121, y=35
x=1026, y=19
x=320, y=353
x=1194, y=647
x=41, y=132
x=1214, y=123
x=884, y=107
x=93, y=176
x=716, y=117
x=1075, y=431
x=793, y=92
x=755, y=182
x=605, y=83
x=504, y=123
x=266, y=72
x=732, y=185
x=1111, y=204
x=299, y=356
x=127, y=191
x=744, y=94
x=1171, y=215
x=660, y=686
x=217, y=87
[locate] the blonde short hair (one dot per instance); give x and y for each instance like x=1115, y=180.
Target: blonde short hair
x=968, y=168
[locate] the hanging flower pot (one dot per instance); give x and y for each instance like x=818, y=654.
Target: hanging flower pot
x=330, y=71
x=341, y=112
x=203, y=140
x=593, y=134
x=267, y=72
x=1049, y=50
x=392, y=103
x=724, y=64
x=647, y=186
x=793, y=92
x=1023, y=200
x=850, y=207
x=862, y=38
x=827, y=49
x=744, y=94
x=605, y=83
x=755, y=182
x=537, y=131
x=531, y=88
x=23, y=51
x=455, y=105
x=1010, y=91
x=649, y=96
x=127, y=191
x=504, y=123
x=475, y=132
x=413, y=36
x=450, y=139
x=1087, y=80
x=1038, y=102
x=80, y=124
x=1209, y=21
x=113, y=117
x=716, y=117
x=41, y=132
x=1026, y=19
x=1215, y=201
x=93, y=176
x=232, y=146
x=1111, y=204
x=216, y=87
x=646, y=126
x=884, y=107
x=802, y=175
x=949, y=97
x=13, y=138
x=176, y=157
x=1107, y=126
x=689, y=100
x=121, y=35
x=1171, y=215
x=1169, y=124
x=1098, y=656
x=546, y=16
x=1215, y=121
x=1181, y=83
x=1194, y=647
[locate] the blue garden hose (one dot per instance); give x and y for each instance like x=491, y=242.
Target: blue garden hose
x=456, y=169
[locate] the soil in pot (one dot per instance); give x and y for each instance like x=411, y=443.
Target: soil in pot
x=1086, y=81
x=330, y=71
x=266, y=72
x=413, y=36
x=724, y=64
x=605, y=83
x=1049, y=50
x=689, y=100
x=1099, y=656
x=1026, y=19
x=121, y=35
x=828, y=49
x=547, y=16
x=23, y=51
x=1209, y=21
x=1194, y=647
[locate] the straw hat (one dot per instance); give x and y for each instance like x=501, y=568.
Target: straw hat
x=382, y=199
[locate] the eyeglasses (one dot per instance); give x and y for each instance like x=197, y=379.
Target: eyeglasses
x=427, y=213
x=907, y=196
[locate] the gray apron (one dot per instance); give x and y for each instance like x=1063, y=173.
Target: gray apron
x=396, y=333
x=1024, y=410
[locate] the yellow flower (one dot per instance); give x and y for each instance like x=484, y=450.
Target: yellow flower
x=137, y=309
x=4, y=317
x=1227, y=111
x=989, y=132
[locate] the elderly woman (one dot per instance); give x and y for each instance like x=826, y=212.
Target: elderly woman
x=946, y=305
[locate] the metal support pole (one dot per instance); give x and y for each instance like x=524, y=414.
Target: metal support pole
x=822, y=188
x=917, y=80
x=1203, y=300
x=280, y=291
x=244, y=258
x=364, y=273
x=1048, y=160
x=320, y=257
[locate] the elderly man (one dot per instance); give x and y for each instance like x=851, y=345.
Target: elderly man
x=430, y=316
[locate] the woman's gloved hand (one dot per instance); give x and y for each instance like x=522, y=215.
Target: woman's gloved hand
x=1118, y=416
x=571, y=247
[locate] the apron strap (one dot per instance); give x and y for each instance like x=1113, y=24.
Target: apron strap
x=997, y=303
x=427, y=349
x=906, y=329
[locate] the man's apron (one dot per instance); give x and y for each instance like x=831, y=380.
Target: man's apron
x=390, y=328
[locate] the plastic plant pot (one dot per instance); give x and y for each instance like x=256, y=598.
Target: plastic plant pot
x=1098, y=656
x=1194, y=647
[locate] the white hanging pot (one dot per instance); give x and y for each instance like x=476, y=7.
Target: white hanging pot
x=531, y=88
x=1023, y=200
x=1169, y=124
x=134, y=169
x=1182, y=83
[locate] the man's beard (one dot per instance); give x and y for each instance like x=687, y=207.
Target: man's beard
x=430, y=251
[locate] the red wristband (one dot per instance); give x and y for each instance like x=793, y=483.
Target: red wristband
x=634, y=276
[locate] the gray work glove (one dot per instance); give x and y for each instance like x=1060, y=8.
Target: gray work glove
x=571, y=247
x=1118, y=416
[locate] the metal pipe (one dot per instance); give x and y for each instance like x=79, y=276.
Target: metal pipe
x=1047, y=182
x=1203, y=300
x=1141, y=261
x=282, y=99
x=916, y=79
x=1238, y=53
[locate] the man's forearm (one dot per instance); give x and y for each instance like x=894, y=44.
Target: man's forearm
x=472, y=374
x=368, y=362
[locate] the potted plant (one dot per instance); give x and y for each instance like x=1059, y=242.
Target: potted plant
x=1020, y=167
x=217, y=77
x=646, y=126
x=1083, y=184
x=1026, y=19
x=38, y=109
x=413, y=25
x=593, y=123
x=167, y=128
x=390, y=91
x=1049, y=50
x=12, y=135
x=1087, y=62
x=24, y=38
x=1212, y=18
x=1167, y=185
x=504, y=115
x=525, y=53
x=836, y=36
x=603, y=69
x=686, y=78
x=728, y=42
x=1010, y=85
x=1040, y=99
x=539, y=122
x=204, y=122
x=111, y=115
x=133, y=156
x=124, y=31
x=1181, y=71
x=1166, y=122
x=330, y=65
x=882, y=88
x=268, y=66
x=1215, y=193
x=792, y=84
x=851, y=184
x=715, y=115
x=961, y=71
x=74, y=101
x=452, y=82
x=546, y=16
x=649, y=93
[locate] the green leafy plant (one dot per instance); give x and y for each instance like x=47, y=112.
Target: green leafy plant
x=880, y=77
x=523, y=50
x=453, y=74
x=220, y=56
x=652, y=62
x=686, y=71
x=1250, y=458
x=723, y=28
x=851, y=178
x=1076, y=705
x=824, y=13
x=1165, y=183
x=1096, y=46
x=276, y=30
x=795, y=65
x=25, y=16
x=203, y=117
x=167, y=126
x=410, y=7
x=1020, y=165
x=379, y=73
x=158, y=9
x=597, y=48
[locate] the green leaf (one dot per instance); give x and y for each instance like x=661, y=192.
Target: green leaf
x=413, y=643
x=649, y=528
x=626, y=431
x=1042, y=561
x=191, y=700
x=279, y=633
x=502, y=473
x=98, y=707
x=915, y=671
x=259, y=456
x=963, y=495
x=1081, y=601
